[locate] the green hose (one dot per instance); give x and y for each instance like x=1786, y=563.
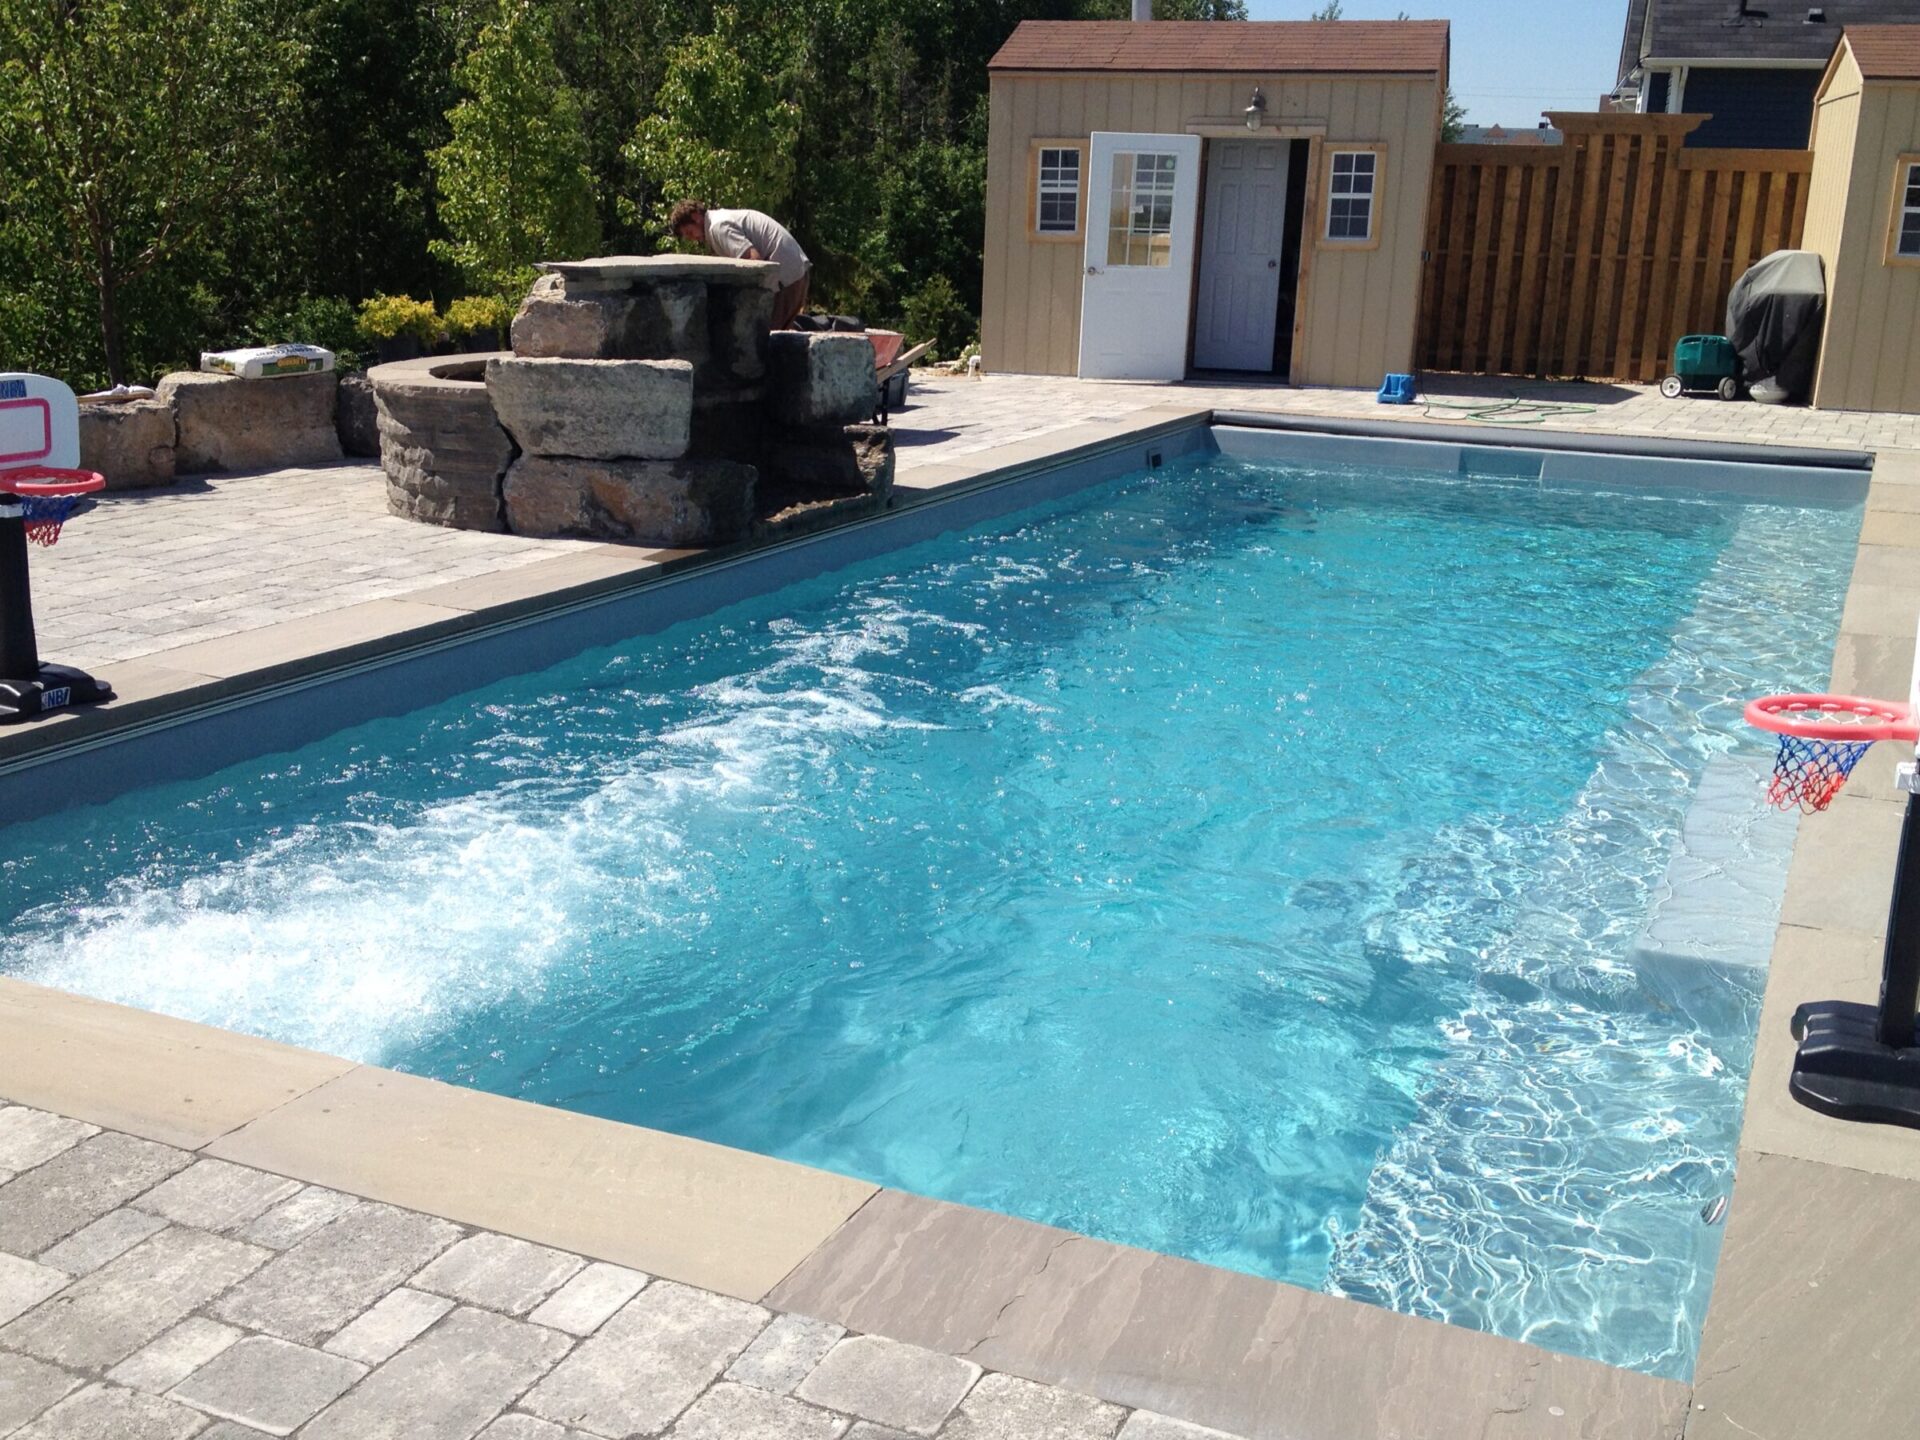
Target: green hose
x=1510, y=411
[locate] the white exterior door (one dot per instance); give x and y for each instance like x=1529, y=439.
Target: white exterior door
x=1240, y=255
x=1143, y=205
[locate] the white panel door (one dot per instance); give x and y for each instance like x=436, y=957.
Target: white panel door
x=1136, y=298
x=1240, y=255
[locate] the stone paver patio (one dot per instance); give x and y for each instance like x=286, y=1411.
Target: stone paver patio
x=214, y=556
x=150, y=1294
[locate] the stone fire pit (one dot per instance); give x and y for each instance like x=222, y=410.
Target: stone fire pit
x=643, y=400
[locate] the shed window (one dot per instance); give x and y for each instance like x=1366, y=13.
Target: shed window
x=1140, y=218
x=1056, y=209
x=1350, y=199
x=1907, y=242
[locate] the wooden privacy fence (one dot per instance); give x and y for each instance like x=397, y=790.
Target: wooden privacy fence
x=1590, y=258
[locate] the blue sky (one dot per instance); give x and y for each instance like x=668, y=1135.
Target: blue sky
x=1511, y=58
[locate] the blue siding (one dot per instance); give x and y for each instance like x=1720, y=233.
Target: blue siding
x=1752, y=109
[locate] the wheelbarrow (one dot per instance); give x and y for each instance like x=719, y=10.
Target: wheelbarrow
x=890, y=367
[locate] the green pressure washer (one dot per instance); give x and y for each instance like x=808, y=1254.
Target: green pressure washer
x=1703, y=363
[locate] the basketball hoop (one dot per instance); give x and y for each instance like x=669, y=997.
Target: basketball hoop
x=1822, y=738
x=47, y=496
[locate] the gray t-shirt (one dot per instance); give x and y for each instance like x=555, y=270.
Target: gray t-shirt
x=734, y=232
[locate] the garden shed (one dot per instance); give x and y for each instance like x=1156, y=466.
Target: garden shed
x=1167, y=197
x=1863, y=217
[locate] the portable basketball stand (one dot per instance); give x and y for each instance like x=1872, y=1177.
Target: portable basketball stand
x=1857, y=1062
x=39, y=486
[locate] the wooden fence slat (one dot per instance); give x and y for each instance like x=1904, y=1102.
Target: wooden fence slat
x=1591, y=257
x=1500, y=344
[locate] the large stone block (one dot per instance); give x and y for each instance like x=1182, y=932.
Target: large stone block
x=820, y=379
x=738, y=319
x=356, y=416
x=667, y=322
x=130, y=444
x=442, y=449
x=651, y=502
x=595, y=409
x=842, y=460
x=626, y=272
x=558, y=324
x=226, y=423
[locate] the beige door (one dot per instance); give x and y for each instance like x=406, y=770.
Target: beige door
x=1242, y=232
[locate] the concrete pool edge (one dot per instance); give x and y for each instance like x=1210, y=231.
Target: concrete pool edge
x=1314, y=1358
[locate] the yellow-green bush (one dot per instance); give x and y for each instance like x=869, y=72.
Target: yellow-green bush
x=389, y=317
x=478, y=313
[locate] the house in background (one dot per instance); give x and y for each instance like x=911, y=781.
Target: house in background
x=1541, y=134
x=1752, y=65
x=1166, y=197
x=1863, y=216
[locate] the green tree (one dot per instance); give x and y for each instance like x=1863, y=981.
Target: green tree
x=1453, y=118
x=722, y=129
x=513, y=180
x=1330, y=11
x=127, y=129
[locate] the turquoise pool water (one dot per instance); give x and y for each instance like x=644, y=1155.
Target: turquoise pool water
x=1251, y=863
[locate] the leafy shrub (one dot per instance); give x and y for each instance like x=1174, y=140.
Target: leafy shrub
x=478, y=313
x=935, y=312
x=390, y=317
x=325, y=320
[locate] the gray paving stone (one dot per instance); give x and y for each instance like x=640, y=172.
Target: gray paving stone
x=107, y=1238
x=24, y=1284
x=106, y=1412
x=740, y=1412
x=291, y=1221
x=867, y=1430
x=525, y=1427
x=306, y=1293
x=78, y=1186
x=270, y=1384
x=589, y=1299
x=898, y=1385
x=446, y=1385
x=163, y=1364
x=785, y=1353
x=397, y=1319
x=30, y=1137
x=498, y=1272
x=678, y=1337
x=215, y=1195
x=104, y=1317
x=1002, y=1407
x=27, y=1387
x=228, y=1430
x=1145, y=1425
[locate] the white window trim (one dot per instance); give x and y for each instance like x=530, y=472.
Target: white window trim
x=1351, y=242
x=1906, y=172
x=1036, y=188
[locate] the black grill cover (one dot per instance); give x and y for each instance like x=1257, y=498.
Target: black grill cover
x=1773, y=318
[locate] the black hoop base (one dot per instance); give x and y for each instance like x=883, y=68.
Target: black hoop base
x=1844, y=1070
x=1862, y=1062
x=56, y=687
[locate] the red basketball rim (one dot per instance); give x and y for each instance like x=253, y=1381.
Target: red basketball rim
x=45, y=482
x=1846, y=718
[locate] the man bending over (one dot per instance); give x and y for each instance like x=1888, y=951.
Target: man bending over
x=749, y=235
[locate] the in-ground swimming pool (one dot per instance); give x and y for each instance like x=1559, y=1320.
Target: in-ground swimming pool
x=1267, y=864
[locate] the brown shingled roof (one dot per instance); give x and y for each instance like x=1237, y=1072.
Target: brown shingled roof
x=1381, y=47
x=1886, y=52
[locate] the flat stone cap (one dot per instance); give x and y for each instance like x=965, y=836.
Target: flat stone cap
x=646, y=269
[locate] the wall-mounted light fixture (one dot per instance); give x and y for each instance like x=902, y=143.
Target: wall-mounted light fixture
x=1256, y=112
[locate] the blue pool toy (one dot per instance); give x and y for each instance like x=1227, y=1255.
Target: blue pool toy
x=1396, y=390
